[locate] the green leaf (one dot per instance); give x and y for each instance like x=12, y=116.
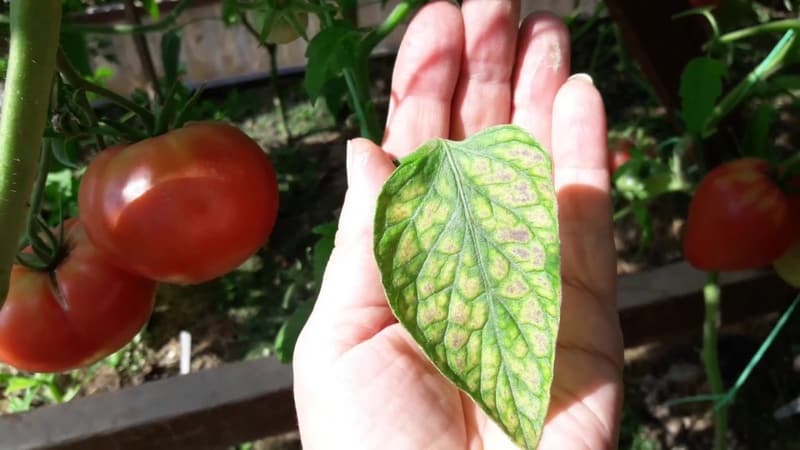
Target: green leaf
x=322, y=249
x=170, y=56
x=152, y=8
x=290, y=331
x=330, y=51
x=16, y=384
x=77, y=50
x=756, y=134
x=701, y=86
x=466, y=239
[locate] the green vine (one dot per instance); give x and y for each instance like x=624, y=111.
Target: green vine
x=35, y=28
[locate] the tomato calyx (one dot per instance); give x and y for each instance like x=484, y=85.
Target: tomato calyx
x=43, y=250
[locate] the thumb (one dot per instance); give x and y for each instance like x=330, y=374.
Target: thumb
x=351, y=306
x=368, y=166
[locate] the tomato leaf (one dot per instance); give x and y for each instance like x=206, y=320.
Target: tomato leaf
x=77, y=50
x=330, y=51
x=152, y=8
x=756, y=134
x=290, y=331
x=322, y=249
x=170, y=56
x=466, y=239
x=16, y=384
x=701, y=86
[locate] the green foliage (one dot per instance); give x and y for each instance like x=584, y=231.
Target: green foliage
x=701, y=87
x=329, y=52
x=466, y=238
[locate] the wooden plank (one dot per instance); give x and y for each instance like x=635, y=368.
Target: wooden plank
x=245, y=401
x=668, y=301
x=211, y=409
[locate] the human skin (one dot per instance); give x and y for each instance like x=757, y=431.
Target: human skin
x=360, y=381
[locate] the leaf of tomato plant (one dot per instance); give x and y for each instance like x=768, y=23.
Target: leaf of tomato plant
x=756, y=134
x=77, y=50
x=466, y=238
x=170, y=56
x=152, y=8
x=290, y=331
x=330, y=51
x=701, y=86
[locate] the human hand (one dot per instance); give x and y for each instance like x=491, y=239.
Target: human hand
x=361, y=382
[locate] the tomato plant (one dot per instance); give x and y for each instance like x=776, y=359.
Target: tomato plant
x=619, y=153
x=739, y=218
x=184, y=207
x=80, y=312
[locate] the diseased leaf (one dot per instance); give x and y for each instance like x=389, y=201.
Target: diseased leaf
x=466, y=238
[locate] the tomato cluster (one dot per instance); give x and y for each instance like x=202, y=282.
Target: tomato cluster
x=740, y=218
x=183, y=208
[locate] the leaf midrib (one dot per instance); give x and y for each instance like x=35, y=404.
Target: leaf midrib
x=484, y=278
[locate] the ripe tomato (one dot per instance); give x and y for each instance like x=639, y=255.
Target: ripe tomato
x=83, y=311
x=619, y=153
x=184, y=207
x=739, y=218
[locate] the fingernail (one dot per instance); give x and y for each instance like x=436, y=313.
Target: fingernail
x=357, y=157
x=581, y=76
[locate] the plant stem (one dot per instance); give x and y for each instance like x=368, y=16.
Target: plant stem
x=74, y=78
x=35, y=28
x=773, y=62
x=392, y=21
x=357, y=77
x=769, y=27
x=277, y=91
x=145, y=57
x=711, y=295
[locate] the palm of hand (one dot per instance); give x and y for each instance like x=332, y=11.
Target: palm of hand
x=360, y=380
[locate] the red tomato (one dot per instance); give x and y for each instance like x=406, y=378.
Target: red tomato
x=619, y=154
x=83, y=311
x=739, y=219
x=184, y=207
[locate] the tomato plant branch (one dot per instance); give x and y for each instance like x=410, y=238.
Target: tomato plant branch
x=145, y=58
x=392, y=21
x=273, y=76
x=74, y=78
x=711, y=295
x=35, y=28
x=769, y=27
x=357, y=79
x=772, y=63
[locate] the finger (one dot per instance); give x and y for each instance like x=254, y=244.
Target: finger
x=543, y=55
x=351, y=306
x=582, y=182
x=424, y=78
x=483, y=94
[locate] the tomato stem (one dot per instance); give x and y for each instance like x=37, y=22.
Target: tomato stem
x=357, y=79
x=35, y=28
x=143, y=49
x=769, y=27
x=711, y=295
x=392, y=21
x=771, y=64
x=74, y=78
